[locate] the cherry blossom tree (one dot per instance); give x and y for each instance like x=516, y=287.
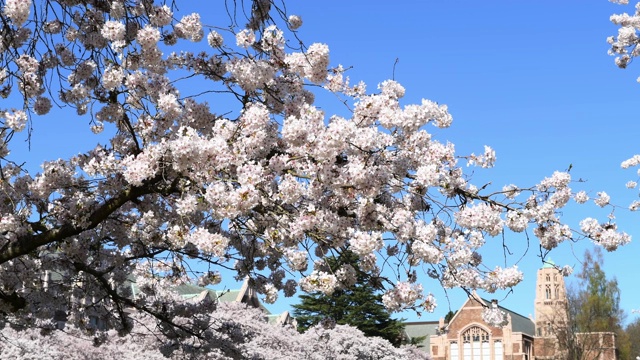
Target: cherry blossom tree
x=625, y=48
x=235, y=331
x=245, y=173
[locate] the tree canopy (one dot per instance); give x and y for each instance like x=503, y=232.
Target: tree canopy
x=213, y=153
x=597, y=298
x=359, y=305
x=596, y=303
x=234, y=332
x=592, y=308
x=632, y=331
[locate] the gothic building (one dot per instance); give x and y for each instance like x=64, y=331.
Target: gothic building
x=468, y=337
x=554, y=337
x=550, y=313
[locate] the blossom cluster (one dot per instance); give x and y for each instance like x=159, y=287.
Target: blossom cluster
x=631, y=162
x=188, y=28
x=17, y=10
x=319, y=281
x=233, y=331
x=251, y=174
x=494, y=316
x=404, y=294
x=605, y=235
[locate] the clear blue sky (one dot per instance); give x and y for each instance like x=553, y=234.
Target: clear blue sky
x=532, y=79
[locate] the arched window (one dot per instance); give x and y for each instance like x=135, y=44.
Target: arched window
x=548, y=277
x=547, y=292
x=475, y=344
x=557, y=292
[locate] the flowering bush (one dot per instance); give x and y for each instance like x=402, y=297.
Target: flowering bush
x=270, y=185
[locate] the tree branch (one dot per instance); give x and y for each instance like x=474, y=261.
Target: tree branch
x=28, y=243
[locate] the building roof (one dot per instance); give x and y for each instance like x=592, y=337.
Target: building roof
x=246, y=294
x=188, y=291
x=519, y=323
x=227, y=295
x=549, y=264
x=421, y=328
x=284, y=318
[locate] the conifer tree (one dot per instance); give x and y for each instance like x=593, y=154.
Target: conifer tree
x=359, y=306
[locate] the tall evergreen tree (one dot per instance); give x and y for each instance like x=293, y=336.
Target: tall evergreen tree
x=359, y=305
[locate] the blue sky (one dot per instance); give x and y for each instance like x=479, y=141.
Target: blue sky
x=531, y=79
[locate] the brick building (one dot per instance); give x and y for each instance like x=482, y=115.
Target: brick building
x=553, y=334
x=468, y=337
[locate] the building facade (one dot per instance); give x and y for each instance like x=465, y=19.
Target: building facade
x=546, y=336
x=554, y=336
x=467, y=336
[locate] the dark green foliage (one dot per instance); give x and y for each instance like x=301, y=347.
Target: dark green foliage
x=417, y=341
x=449, y=316
x=359, y=306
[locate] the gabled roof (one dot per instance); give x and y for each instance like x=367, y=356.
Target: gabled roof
x=519, y=323
x=246, y=294
x=188, y=291
x=227, y=295
x=284, y=318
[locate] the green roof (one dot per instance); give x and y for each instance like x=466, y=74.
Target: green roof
x=227, y=295
x=188, y=291
x=421, y=328
x=272, y=318
x=549, y=264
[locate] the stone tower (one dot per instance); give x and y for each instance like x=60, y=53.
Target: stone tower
x=551, y=300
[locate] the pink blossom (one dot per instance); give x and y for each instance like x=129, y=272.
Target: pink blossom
x=17, y=10
x=189, y=26
x=245, y=38
x=295, y=22
x=113, y=30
